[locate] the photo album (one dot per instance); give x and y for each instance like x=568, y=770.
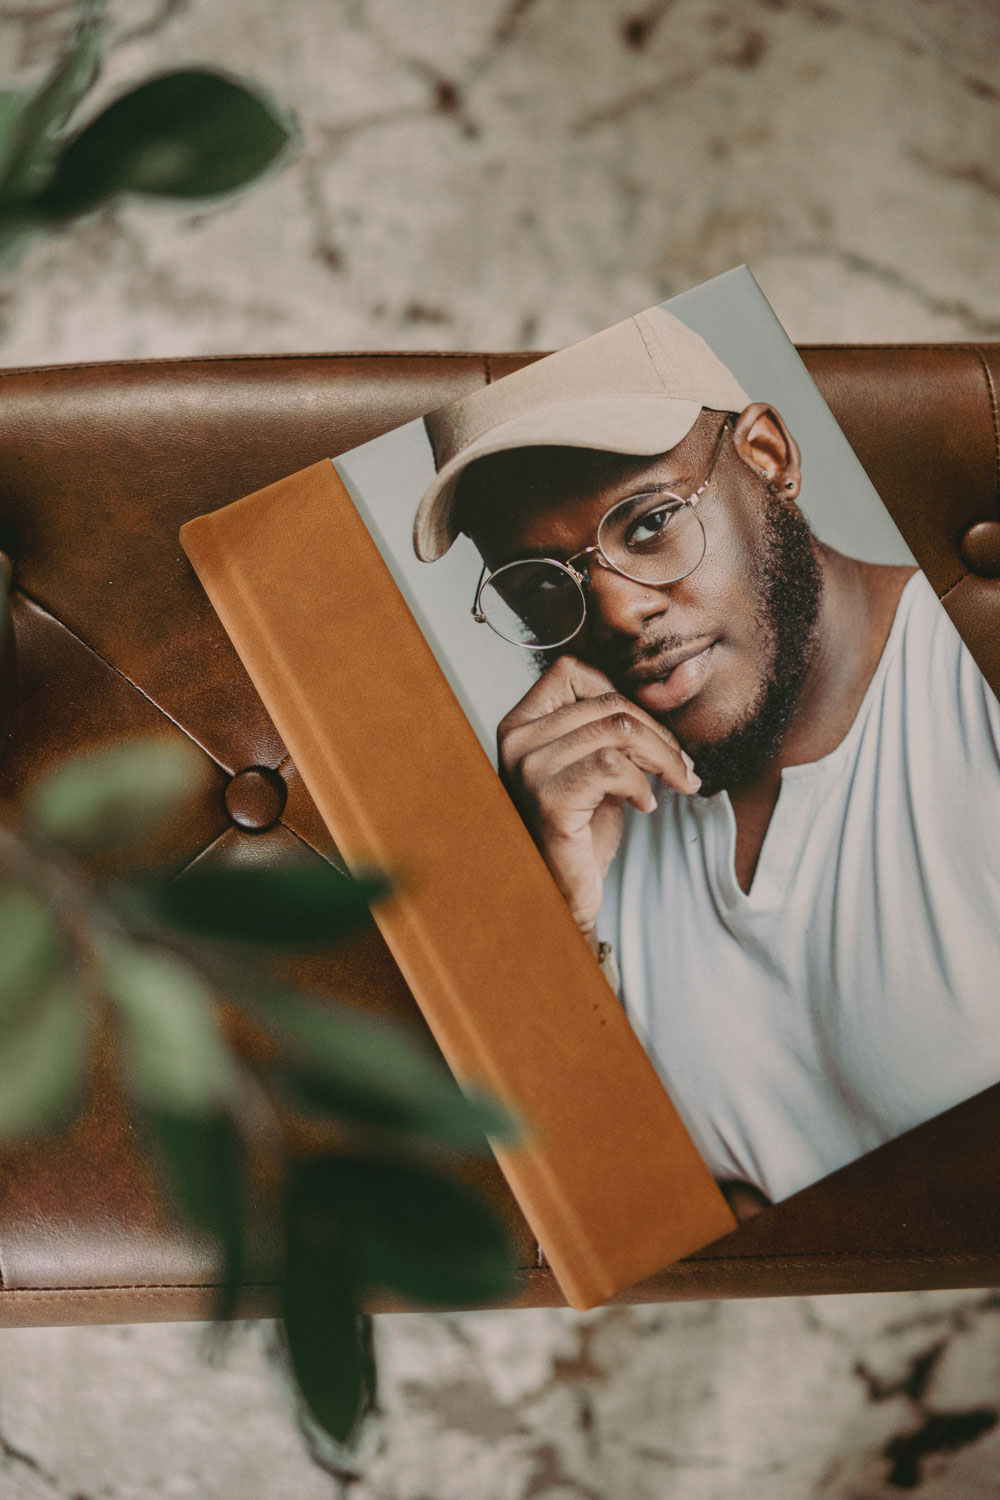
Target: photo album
x=619, y=665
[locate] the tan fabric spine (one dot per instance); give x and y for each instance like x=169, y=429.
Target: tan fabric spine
x=608, y=1178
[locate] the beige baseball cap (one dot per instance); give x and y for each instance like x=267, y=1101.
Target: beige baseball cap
x=636, y=387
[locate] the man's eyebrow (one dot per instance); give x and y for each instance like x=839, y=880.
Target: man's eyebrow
x=530, y=554
x=668, y=485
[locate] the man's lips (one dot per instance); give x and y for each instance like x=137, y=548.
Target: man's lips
x=672, y=679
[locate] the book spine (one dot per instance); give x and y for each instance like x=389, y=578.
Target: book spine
x=508, y=988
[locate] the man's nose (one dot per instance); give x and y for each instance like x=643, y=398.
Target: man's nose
x=618, y=605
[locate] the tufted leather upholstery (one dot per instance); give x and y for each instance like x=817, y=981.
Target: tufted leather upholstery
x=99, y=467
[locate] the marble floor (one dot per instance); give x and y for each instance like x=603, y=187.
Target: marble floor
x=517, y=174
x=817, y=1398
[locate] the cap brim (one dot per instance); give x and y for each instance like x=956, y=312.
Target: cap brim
x=637, y=425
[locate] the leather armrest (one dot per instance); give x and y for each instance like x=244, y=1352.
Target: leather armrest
x=99, y=467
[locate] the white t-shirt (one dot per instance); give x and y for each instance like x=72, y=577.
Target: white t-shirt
x=855, y=991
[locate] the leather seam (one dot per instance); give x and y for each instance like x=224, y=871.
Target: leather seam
x=261, y=359
x=929, y=1257
x=488, y=365
x=286, y=759
x=195, y=858
x=308, y=844
x=992, y=394
x=405, y=354
x=951, y=588
x=123, y=675
x=138, y=1286
x=957, y=344
x=929, y=1254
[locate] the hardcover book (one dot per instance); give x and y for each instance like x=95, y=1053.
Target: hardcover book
x=620, y=664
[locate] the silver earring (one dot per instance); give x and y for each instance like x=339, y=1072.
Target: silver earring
x=789, y=484
x=764, y=473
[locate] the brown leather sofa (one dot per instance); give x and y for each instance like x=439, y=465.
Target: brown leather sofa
x=99, y=467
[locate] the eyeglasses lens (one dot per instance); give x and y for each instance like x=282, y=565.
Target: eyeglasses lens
x=533, y=603
x=651, y=538
x=654, y=538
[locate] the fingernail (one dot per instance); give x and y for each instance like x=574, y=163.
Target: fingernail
x=694, y=782
x=652, y=803
x=687, y=760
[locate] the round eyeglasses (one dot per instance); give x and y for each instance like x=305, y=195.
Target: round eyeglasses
x=655, y=537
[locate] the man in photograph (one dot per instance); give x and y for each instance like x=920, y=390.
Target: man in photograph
x=754, y=765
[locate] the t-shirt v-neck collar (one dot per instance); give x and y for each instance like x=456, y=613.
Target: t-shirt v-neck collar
x=800, y=784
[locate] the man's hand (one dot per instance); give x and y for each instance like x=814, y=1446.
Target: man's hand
x=572, y=753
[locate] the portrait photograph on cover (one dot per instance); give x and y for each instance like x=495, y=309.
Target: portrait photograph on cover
x=685, y=779
x=758, y=761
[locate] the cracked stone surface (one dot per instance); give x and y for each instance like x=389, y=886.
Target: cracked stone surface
x=848, y=1398
x=517, y=174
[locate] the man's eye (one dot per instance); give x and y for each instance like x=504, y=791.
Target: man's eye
x=521, y=586
x=652, y=526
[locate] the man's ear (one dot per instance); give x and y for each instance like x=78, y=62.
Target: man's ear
x=765, y=444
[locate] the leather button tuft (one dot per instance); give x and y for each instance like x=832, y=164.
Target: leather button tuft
x=255, y=798
x=980, y=549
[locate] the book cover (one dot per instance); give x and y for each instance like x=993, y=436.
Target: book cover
x=607, y=1176
x=634, y=666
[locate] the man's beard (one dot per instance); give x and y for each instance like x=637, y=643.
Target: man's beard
x=788, y=589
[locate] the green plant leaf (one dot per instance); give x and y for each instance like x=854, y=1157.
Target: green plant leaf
x=417, y=1231
x=113, y=796
x=375, y=1072
x=12, y=102
x=204, y=1168
x=42, y=1061
x=174, y=1058
x=327, y=1340
x=190, y=134
x=295, y=906
x=32, y=951
x=15, y=232
x=34, y=120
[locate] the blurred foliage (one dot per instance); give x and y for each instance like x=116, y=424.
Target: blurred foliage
x=42, y=1021
x=158, y=956
x=190, y=134
x=162, y=962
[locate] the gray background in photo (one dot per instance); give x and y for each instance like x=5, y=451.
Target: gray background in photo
x=387, y=477
x=732, y=315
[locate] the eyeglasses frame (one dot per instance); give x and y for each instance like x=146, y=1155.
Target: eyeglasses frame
x=605, y=562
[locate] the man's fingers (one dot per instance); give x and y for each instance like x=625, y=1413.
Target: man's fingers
x=516, y=739
x=565, y=682
x=618, y=731
x=567, y=800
